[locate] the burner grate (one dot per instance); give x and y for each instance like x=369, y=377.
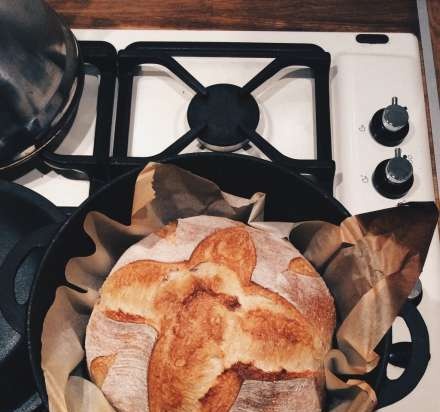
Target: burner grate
x=95, y=167
x=321, y=170
x=103, y=166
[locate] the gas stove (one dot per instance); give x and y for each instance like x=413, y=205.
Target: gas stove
x=346, y=110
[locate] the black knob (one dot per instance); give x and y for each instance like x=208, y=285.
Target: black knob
x=389, y=126
x=394, y=177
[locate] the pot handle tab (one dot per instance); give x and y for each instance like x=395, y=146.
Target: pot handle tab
x=14, y=312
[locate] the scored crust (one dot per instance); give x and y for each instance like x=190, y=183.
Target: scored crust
x=230, y=312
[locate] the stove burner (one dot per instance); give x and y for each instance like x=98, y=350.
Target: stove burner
x=223, y=110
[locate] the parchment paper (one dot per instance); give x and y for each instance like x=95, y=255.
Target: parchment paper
x=370, y=264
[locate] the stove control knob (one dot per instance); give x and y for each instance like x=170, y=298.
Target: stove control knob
x=389, y=126
x=394, y=177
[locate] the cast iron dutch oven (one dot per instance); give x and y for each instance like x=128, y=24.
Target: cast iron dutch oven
x=290, y=197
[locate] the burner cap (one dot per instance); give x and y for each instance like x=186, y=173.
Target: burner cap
x=223, y=109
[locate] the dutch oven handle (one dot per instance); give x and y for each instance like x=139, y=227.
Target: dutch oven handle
x=393, y=390
x=14, y=312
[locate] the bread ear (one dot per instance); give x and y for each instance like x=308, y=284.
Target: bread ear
x=303, y=267
x=231, y=247
x=128, y=294
x=99, y=368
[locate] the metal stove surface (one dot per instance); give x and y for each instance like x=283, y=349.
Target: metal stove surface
x=363, y=78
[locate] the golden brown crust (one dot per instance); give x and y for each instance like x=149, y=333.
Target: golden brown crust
x=99, y=368
x=246, y=372
x=315, y=303
x=217, y=327
x=120, y=316
x=181, y=367
x=300, y=265
x=168, y=231
x=223, y=394
x=124, y=383
x=232, y=248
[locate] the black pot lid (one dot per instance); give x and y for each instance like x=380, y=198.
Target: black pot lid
x=23, y=215
x=38, y=77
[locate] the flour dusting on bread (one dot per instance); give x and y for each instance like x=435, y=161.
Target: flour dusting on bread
x=209, y=314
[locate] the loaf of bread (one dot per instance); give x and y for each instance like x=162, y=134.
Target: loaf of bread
x=217, y=316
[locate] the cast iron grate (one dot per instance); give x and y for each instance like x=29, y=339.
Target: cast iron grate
x=102, y=166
